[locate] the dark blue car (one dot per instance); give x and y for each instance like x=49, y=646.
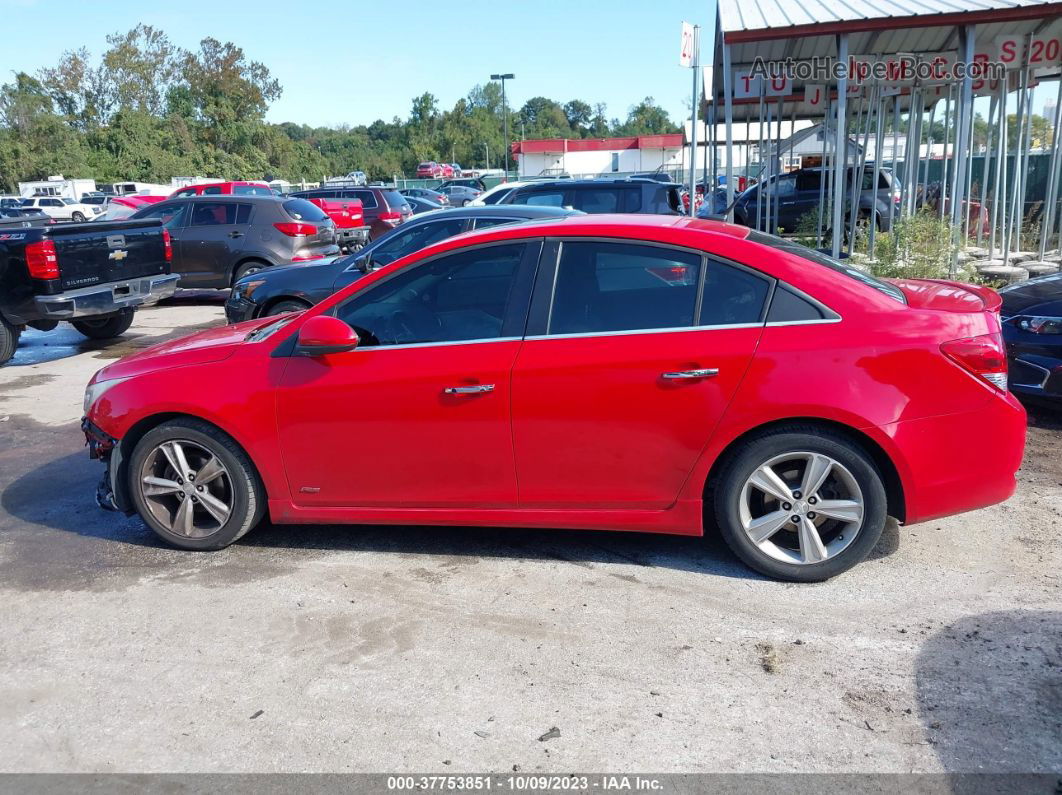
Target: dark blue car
x=1032, y=329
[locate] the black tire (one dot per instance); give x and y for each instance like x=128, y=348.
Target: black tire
x=77, y=218
x=742, y=462
x=9, y=335
x=105, y=328
x=247, y=492
x=288, y=305
x=247, y=268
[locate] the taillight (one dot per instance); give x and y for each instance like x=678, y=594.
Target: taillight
x=391, y=218
x=296, y=229
x=41, y=260
x=167, y=245
x=984, y=356
x=308, y=257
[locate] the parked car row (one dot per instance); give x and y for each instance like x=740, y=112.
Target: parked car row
x=429, y=169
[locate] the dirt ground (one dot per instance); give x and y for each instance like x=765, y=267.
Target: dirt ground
x=449, y=649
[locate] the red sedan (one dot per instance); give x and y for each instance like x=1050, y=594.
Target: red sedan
x=639, y=373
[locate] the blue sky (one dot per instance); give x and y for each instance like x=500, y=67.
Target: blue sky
x=355, y=61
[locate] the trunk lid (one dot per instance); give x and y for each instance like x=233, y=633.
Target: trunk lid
x=98, y=253
x=948, y=296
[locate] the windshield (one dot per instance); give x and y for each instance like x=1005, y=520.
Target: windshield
x=819, y=258
x=69, y=201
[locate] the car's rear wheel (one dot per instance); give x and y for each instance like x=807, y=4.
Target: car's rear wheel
x=194, y=486
x=9, y=335
x=800, y=504
x=283, y=307
x=247, y=268
x=105, y=328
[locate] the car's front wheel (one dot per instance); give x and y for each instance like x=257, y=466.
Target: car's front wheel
x=77, y=218
x=194, y=486
x=800, y=504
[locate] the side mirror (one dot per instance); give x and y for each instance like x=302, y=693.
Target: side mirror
x=323, y=334
x=363, y=263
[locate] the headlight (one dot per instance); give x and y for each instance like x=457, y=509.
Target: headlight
x=1039, y=324
x=244, y=289
x=94, y=392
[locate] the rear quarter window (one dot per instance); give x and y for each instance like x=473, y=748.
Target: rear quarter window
x=368, y=198
x=302, y=210
x=394, y=198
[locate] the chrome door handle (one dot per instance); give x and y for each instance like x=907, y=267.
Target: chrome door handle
x=476, y=389
x=705, y=373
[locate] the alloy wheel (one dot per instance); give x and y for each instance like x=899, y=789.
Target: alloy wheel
x=186, y=488
x=801, y=508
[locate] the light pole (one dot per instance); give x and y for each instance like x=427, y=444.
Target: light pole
x=486, y=155
x=505, y=115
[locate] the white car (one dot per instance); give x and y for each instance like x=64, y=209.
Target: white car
x=62, y=209
x=496, y=194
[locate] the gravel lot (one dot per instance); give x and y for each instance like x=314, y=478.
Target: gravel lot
x=437, y=649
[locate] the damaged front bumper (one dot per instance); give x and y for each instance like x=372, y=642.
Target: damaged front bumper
x=107, y=449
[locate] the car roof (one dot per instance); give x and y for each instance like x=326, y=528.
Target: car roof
x=517, y=211
x=230, y=197
x=567, y=183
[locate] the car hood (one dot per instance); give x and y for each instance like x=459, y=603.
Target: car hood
x=1041, y=296
x=202, y=347
x=301, y=267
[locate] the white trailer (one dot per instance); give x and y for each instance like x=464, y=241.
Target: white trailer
x=58, y=186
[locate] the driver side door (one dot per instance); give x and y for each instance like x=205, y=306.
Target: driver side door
x=417, y=416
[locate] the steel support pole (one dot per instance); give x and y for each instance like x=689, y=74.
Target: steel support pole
x=962, y=141
x=999, y=205
x=761, y=221
x=839, y=148
x=986, y=165
x=895, y=146
x=728, y=100
x=822, y=171
x=929, y=142
x=878, y=132
x=693, y=118
x=778, y=169
x=1052, y=179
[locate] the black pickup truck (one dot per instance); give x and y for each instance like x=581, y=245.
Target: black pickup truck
x=93, y=275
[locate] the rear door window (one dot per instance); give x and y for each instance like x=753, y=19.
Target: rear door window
x=418, y=236
x=540, y=198
x=602, y=287
x=597, y=200
x=213, y=214
x=808, y=180
x=732, y=296
x=252, y=190
x=485, y=223
x=212, y=190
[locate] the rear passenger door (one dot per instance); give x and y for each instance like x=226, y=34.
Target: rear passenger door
x=632, y=353
x=212, y=240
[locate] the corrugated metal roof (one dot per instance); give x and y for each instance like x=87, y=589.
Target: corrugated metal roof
x=749, y=15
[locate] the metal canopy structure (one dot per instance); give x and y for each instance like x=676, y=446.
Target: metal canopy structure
x=857, y=31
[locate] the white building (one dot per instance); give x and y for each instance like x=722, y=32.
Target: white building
x=592, y=157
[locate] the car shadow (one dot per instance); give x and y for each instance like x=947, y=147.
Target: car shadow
x=59, y=495
x=989, y=690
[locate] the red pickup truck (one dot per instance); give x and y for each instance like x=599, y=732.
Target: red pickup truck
x=349, y=218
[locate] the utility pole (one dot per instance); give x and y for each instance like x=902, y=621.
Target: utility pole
x=486, y=155
x=505, y=115
x=696, y=68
